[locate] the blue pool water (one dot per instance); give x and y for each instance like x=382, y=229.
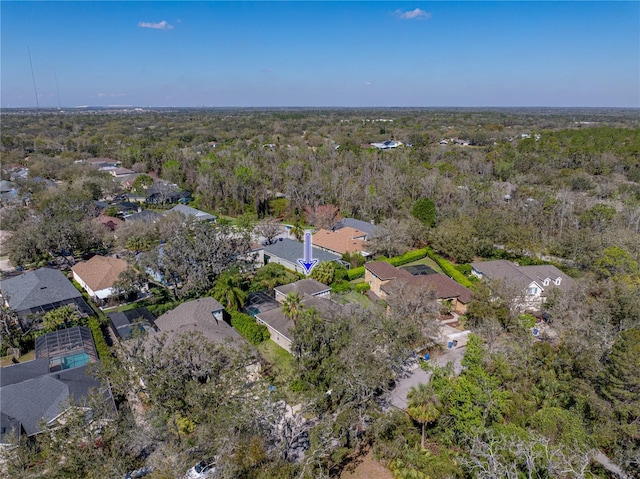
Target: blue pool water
x=251, y=311
x=75, y=360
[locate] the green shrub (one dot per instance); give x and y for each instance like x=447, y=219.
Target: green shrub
x=362, y=287
x=159, y=309
x=407, y=257
x=449, y=269
x=98, y=338
x=341, y=287
x=249, y=328
x=464, y=268
x=425, y=211
x=355, y=273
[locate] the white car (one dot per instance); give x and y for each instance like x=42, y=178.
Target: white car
x=201, y=470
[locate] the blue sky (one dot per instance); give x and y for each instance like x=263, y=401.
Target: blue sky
x=344, y=54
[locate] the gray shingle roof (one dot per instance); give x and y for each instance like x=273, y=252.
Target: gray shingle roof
x=302, y=287
x=37, y=288
x=33, y=397
x=276, y=319
x=144, y=215
x=291, y=250
x=522, y=276
x=326, y=308
x=197, y=315
x=188, y=211
x=365, y=226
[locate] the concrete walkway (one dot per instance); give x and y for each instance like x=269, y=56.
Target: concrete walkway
x=398, y=397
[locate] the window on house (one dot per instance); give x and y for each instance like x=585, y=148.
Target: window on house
x=532, y=290
x=546, y=282
x=557, y=281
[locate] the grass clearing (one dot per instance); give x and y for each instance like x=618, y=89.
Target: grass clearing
x=353, y=297
x=6, y=360
x=426, y=261
x=281, y=361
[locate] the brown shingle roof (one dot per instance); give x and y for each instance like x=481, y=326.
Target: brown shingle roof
x=344, y=240
x=444, y=287
x=100, y=272
x=385, y=271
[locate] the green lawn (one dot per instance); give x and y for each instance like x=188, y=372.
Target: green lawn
x=6, y=360
x=352, y=297
x=280, y=360
x=426, y=261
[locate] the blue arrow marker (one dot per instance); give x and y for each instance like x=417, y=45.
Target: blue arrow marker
x=308, y=262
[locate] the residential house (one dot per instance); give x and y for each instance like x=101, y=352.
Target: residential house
x=34, y=293
x=8, y=190
x=531, y=284
x=281, y=327
x=163, y=193
x=127, y=180
x=100, y=163
x=378, y=274
x=126, y=324
x=143, y=216
x=17, y=172
x=364, y=226
x=194, y=213
x=98, y=275
x=117, y=172
x=127, y=207
x=205, y=315
x=37, y=394
x=341, y=241
x=386, y=145
x=287, y=252
x=306, y=286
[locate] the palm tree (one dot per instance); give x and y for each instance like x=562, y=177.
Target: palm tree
x=292, y=306
x=423, y=406
x=297, y=230
x=269, y=276
x=228, y=289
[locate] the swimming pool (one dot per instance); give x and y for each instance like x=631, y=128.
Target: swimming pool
x=75, y=360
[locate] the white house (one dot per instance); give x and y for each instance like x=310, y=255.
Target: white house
x=533, y=282
x=98, y=275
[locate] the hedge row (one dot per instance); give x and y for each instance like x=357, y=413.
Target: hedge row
x=249, y=328
x=449, y=269
x=355, y=273
x=407, y=257
x=395, y=261
x=98, y=338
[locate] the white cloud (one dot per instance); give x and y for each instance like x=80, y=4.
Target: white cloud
x=367, y=83
x=416, y=14
x=163, y=25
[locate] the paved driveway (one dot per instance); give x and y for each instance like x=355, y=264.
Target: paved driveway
x=398, y=397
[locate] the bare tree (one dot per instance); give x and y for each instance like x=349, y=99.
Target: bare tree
x=390, y=238
x=268, y=228
x=411, y=303
x=323, y=216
